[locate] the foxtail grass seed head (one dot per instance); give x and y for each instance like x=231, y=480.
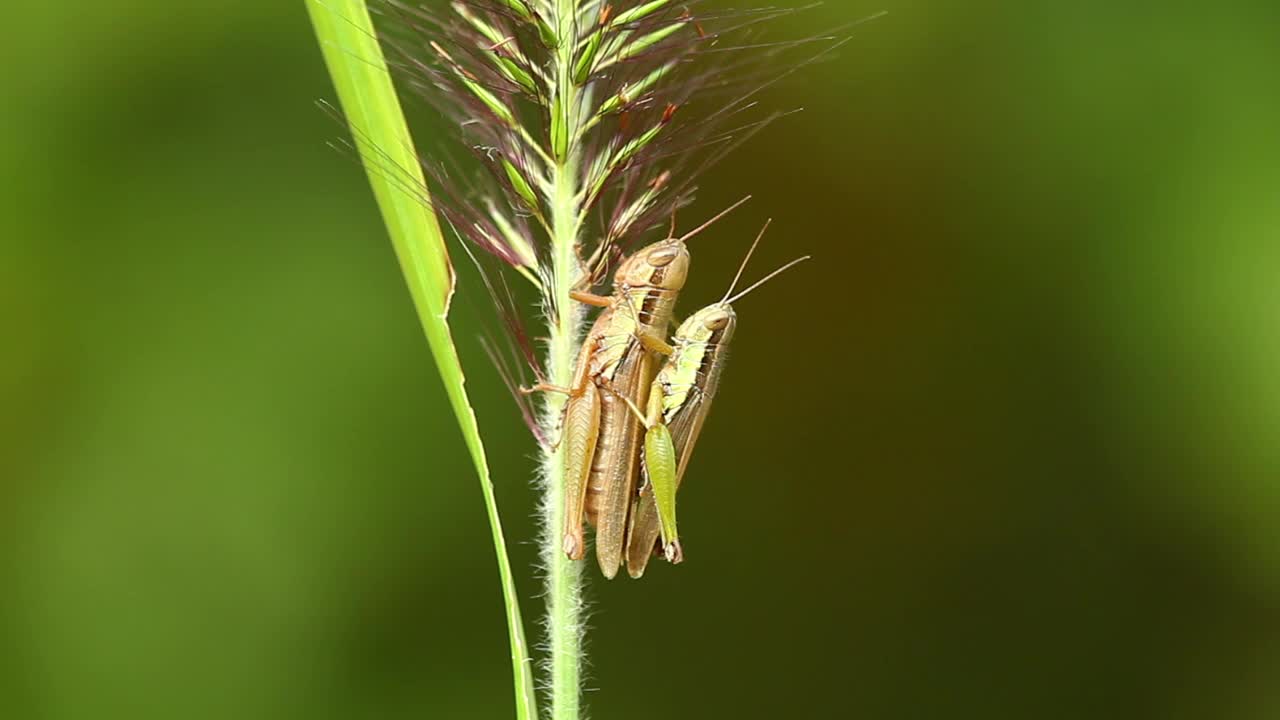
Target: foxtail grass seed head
x=593, y=94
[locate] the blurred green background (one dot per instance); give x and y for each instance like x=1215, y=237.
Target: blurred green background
x=1008, y=449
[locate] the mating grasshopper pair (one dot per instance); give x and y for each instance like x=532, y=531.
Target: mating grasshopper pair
x=618, y=374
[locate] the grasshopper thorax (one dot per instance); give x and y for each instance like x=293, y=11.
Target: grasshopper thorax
x=663, y=265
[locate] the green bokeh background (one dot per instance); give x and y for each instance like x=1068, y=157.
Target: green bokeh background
x=1007, y=449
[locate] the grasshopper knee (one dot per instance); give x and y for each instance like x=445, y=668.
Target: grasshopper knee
x=573, y=545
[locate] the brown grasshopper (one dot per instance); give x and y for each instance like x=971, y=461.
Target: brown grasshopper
x=617, y=363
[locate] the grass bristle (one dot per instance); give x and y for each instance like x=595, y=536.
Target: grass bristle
x=667, y=85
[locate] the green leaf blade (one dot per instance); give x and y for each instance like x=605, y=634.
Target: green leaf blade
x=371, y=106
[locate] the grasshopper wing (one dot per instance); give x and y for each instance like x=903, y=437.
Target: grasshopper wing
x=685, y=428
x=616, y=465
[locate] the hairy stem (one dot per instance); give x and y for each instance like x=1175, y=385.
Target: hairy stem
x=564, y=576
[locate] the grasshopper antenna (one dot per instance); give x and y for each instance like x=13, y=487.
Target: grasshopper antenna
x=767, y=278
x=746, y=260
x=713, y=220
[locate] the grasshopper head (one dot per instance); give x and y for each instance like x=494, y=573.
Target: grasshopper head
x=713, y=324
x=664, y=265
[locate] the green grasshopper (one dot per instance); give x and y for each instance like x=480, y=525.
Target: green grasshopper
x=616, y=365
x=678, y=402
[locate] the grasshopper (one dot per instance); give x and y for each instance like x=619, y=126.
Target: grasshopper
x=677, y=405
x=616, y=365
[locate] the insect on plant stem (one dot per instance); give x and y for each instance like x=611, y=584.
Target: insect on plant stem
x=678, y=402
x=617, y=360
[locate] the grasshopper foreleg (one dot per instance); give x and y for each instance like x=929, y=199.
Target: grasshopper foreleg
x=654, y=342
x=548, y=387
x=591, y=299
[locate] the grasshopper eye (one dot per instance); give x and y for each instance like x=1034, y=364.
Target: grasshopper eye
x=717, y=322
x=663, y=256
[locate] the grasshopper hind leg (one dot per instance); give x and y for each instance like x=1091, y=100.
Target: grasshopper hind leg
x=581, y=431
x=674, y=553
